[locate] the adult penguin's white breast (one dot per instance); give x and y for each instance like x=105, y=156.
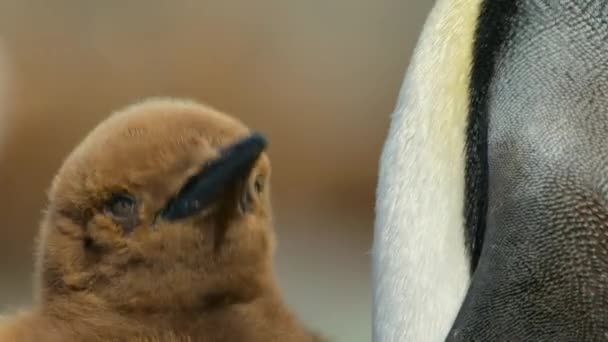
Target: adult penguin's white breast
x=420, y=262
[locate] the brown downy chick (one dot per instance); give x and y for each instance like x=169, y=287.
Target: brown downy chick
x=159, y=229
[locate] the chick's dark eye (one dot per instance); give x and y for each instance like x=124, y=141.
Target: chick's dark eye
x=121, y=206
x=259, y=184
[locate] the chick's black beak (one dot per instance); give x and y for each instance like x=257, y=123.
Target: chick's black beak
x=233, y=165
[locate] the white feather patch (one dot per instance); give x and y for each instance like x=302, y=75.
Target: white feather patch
x=421, y=267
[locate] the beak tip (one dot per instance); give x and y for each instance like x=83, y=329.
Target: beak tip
x=258, y=140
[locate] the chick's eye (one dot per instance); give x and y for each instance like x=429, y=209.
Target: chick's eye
x=121, y=206
x=259, y=184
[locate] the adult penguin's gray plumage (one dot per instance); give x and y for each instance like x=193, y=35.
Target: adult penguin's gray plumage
x=492, y=203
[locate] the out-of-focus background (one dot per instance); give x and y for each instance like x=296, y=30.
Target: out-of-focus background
x=320, y=78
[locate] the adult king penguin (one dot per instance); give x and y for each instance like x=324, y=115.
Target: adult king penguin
x=492, y=203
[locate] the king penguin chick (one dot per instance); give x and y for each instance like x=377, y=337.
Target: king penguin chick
x=159, y=228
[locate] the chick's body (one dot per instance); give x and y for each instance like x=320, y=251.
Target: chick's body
x=115, y=265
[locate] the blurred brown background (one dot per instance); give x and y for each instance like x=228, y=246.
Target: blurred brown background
x=320, y=78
